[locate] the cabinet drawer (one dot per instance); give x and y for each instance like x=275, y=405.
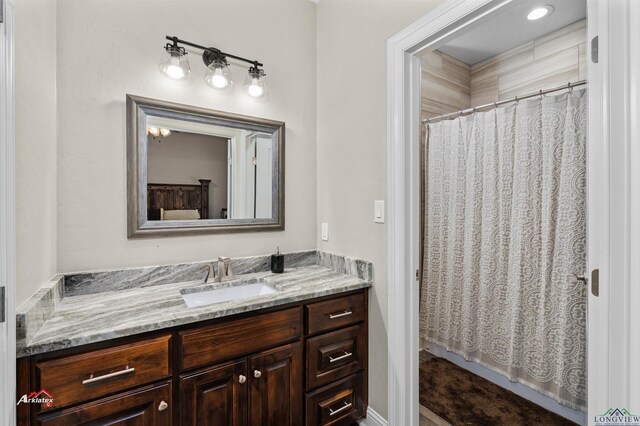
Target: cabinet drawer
x=336, y=354
x=239, y=337
x=88, y=376
x=340, y=403
x=334, y=313
x=147, y=406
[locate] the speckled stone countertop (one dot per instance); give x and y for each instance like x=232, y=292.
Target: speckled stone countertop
x=57, y=318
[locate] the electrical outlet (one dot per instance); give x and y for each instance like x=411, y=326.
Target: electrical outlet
x=324, y=231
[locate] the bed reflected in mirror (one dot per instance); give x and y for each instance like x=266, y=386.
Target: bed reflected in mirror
x=195, y=171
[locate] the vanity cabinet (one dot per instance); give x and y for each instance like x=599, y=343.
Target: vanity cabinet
x=275, y=396
x=236, y=337
x=78, y=378
x=339, y=403
x=337, y=354
x=265, y=389
x=215, y=396
x=146, y=406
x=300, y=364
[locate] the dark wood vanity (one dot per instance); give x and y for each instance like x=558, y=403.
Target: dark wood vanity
x=301, y=363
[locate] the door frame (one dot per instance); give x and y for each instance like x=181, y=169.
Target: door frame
x=7, y=218
x=613, y=215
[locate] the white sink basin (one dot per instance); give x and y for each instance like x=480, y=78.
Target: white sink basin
x=226, y=292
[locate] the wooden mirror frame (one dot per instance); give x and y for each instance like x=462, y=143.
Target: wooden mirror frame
x=138, y=225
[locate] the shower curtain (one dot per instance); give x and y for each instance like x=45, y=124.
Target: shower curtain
x=505, y=236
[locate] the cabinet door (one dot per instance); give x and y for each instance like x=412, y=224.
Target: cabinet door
x=216, y=396
x=275, y=397
x=148, y=406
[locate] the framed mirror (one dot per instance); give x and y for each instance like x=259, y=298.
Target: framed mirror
x=192, y=170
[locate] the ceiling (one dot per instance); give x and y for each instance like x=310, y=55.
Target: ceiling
x=509, y=28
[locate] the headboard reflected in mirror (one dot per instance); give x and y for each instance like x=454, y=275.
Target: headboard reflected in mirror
x=192, y=170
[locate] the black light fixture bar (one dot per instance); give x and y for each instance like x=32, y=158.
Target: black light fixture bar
x=176, y=40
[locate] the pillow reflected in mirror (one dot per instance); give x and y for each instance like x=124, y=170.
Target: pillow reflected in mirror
x=179, y=215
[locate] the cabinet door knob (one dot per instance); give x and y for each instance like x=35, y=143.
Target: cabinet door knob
x=162, y=406
x=257, y=374
x=242, y=379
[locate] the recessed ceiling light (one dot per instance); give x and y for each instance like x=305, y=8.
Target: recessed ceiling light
x=539, y=12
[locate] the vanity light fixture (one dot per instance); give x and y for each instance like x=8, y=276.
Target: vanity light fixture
x=156, y=131
x=254, y=83
x=218, y=74
x=539, y=12
x=174, y=63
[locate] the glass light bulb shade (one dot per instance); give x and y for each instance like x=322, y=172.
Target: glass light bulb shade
x=218, y=76
x=255, y=88
x=153, y=131
x=174, y=65
x=165, y=132
x=255, y=85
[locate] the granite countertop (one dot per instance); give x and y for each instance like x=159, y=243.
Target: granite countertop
x=73, y=318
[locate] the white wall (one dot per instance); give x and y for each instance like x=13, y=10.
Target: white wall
x=352, y=145
x=35, y=92
x=184, y=158
x=108, y=48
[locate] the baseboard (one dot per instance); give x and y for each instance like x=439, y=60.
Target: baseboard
x=373, y=419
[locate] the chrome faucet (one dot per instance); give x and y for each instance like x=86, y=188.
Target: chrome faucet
x=225, y=273
x=211, y=274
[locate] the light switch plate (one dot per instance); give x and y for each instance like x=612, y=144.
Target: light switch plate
x=378, y=211
x=324, y=231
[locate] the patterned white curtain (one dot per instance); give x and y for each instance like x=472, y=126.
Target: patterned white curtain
x=505, y=234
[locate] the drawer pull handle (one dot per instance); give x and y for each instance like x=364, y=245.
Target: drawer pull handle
x=346, y=406
x=242, y=379
x=341, y=357
x=343, y=314
x=162, y=406
x=92, y=379
x=257, y=374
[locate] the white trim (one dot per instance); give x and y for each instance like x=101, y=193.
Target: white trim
x=403, y=165
x=634, y=232
x=597, y=208
x=614, y=321
x=373, y=419
x=7, y=219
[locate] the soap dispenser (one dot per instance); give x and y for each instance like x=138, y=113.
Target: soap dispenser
x=277, y=262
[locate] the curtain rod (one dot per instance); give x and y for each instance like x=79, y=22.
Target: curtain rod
x=541, y=92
